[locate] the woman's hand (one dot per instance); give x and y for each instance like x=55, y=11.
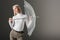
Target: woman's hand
x=10, y=20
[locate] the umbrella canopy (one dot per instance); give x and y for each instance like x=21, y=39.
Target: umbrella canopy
x=31, y=21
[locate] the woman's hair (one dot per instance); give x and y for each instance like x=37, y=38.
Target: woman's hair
x=19, y=8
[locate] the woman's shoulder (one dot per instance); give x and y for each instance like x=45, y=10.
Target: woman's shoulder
x=22, y=16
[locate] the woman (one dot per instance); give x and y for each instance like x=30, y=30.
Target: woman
x=17, y=23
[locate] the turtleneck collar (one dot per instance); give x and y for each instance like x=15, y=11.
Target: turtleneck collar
x=19, y=13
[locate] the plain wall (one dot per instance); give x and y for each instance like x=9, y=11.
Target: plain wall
x=48, y=19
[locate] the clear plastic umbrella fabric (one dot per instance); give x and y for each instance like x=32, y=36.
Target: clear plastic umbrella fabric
x=31, y=21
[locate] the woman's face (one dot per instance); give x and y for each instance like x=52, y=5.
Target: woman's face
x=15, y=10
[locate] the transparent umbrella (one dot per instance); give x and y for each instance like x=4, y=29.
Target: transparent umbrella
x=31, y=21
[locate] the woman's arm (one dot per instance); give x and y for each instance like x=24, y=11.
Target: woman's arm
x=11, y=22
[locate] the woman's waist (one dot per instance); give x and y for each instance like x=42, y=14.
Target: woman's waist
x=19, y=31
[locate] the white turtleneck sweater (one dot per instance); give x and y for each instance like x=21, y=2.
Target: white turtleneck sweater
x=18, y=22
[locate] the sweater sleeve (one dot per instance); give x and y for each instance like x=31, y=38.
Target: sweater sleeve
x=11, y=24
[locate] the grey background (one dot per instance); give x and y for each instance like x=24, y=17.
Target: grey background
x=48, y=19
